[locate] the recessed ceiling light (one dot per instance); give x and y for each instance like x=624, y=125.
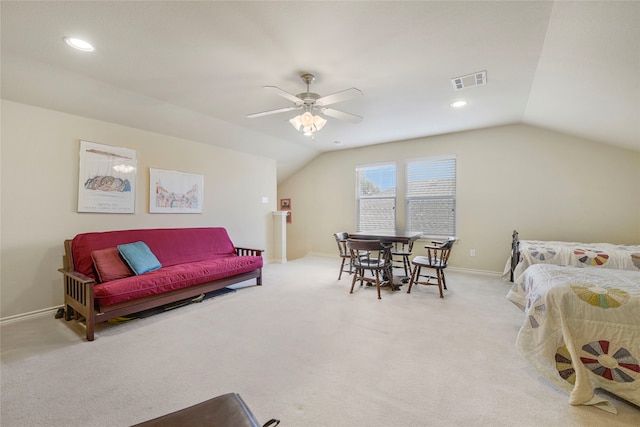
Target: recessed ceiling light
x=79, y=44
x=458, y=104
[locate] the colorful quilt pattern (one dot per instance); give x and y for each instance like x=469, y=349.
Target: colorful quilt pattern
x=582, y=329
x=602, y=255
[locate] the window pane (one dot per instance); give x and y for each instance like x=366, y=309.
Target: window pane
x=376, y=181
x=431, y=178
x=376, y=214
x=435, y=217
x=376, y=197
x=431, y=196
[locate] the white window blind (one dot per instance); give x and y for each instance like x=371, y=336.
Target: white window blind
x=376, y=197
x=431, y=196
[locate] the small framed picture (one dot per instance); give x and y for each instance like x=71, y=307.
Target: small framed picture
x=175, y=192
x=285, y=204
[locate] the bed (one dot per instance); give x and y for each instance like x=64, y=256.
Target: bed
x=581, y=330
x=600, y=255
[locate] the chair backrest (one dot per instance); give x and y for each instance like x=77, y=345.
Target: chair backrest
x=400, y=247
x=439, y=255
x=341, y=240
x=369, y=253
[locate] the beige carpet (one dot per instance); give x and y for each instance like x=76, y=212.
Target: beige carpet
x=300, y=349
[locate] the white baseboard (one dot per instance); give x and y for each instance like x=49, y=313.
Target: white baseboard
x=471, y=270
x=25, y=316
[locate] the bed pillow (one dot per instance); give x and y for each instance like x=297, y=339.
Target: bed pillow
x=139, y=257
x=109, y=265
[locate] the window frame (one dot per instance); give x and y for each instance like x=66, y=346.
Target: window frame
x=359, y=197
x=451, y=232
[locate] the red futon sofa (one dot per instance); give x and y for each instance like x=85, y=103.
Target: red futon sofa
x=116, y=273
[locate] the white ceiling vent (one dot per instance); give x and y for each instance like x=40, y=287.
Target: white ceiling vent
x=475, y=79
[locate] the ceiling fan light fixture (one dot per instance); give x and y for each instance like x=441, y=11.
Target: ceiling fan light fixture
x=307, y=119
x=296, y=122
x=309, y=102
x=307, y=123
x=319, y=122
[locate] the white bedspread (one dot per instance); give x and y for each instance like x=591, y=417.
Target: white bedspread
x=601, y=255
x=582, y=329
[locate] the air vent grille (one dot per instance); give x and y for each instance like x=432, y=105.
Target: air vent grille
x=474, y=79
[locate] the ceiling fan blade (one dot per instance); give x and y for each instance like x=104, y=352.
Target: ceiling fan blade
x=266, y=113
x=331, y=112
x=283, y=93
x=338, y=96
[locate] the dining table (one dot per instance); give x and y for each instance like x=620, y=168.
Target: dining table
x=389, y=237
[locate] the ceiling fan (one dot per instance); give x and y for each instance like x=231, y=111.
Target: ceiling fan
x=309, y=103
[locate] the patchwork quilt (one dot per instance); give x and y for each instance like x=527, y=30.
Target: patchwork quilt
x=581, y=329
x=599, y=255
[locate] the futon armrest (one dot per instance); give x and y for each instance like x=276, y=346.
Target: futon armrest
x=249, y=252
x=77, y=277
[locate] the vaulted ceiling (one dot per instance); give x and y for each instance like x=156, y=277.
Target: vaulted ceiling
x=196, y=69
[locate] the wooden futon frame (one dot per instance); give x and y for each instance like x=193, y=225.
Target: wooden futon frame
x=79, y=294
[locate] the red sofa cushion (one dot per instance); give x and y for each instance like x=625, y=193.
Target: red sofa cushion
x=173, y=278
x=109, y=265
x=172, y=246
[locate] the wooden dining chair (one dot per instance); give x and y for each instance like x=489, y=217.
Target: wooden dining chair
x=370, y=256
x=437, y=258
x=345, y=255
x=400, y=253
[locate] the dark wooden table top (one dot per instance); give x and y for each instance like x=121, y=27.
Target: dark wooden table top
x=387, y=235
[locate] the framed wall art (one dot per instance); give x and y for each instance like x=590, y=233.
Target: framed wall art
x=175, y=192
x=285, y=204
x=107, y=179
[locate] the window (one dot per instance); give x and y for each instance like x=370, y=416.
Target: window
x=376, y=197
x=431, y=196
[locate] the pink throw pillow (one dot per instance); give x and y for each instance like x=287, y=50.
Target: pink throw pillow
x=109, y=265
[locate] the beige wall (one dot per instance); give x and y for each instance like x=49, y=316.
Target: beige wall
x=40, y=156
x=544, y=184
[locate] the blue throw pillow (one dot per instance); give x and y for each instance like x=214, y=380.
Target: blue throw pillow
x=139, y=257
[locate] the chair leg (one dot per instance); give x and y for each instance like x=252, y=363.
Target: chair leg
x=414, y=276
x=378, y=283
x=439, y=275
x=405, y=262
x=444, y=282
x=341, y=268
x=353, y=282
